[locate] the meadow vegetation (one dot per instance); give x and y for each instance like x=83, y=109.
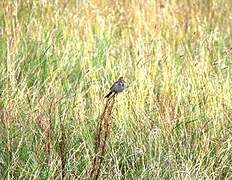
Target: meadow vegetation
x=58, y=60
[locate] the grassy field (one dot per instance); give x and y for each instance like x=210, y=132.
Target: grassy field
x=59, y=58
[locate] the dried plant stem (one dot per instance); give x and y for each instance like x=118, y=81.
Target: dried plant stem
x=102, y=136
x=62, y=143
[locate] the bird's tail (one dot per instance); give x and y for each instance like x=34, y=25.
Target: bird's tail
x=108, y=95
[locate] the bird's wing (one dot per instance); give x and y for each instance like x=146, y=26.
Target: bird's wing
x=112, y=87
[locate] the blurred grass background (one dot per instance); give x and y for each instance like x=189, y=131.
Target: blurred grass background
x=59, y=58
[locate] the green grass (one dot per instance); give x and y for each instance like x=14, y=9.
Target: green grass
x=58, y=60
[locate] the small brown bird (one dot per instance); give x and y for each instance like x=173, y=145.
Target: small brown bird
x=117, y=87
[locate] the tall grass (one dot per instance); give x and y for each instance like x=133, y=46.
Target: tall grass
x=58, y=60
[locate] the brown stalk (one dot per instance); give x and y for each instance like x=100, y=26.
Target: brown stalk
x=102, y=136
x=62, y=149
x=62, y=142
